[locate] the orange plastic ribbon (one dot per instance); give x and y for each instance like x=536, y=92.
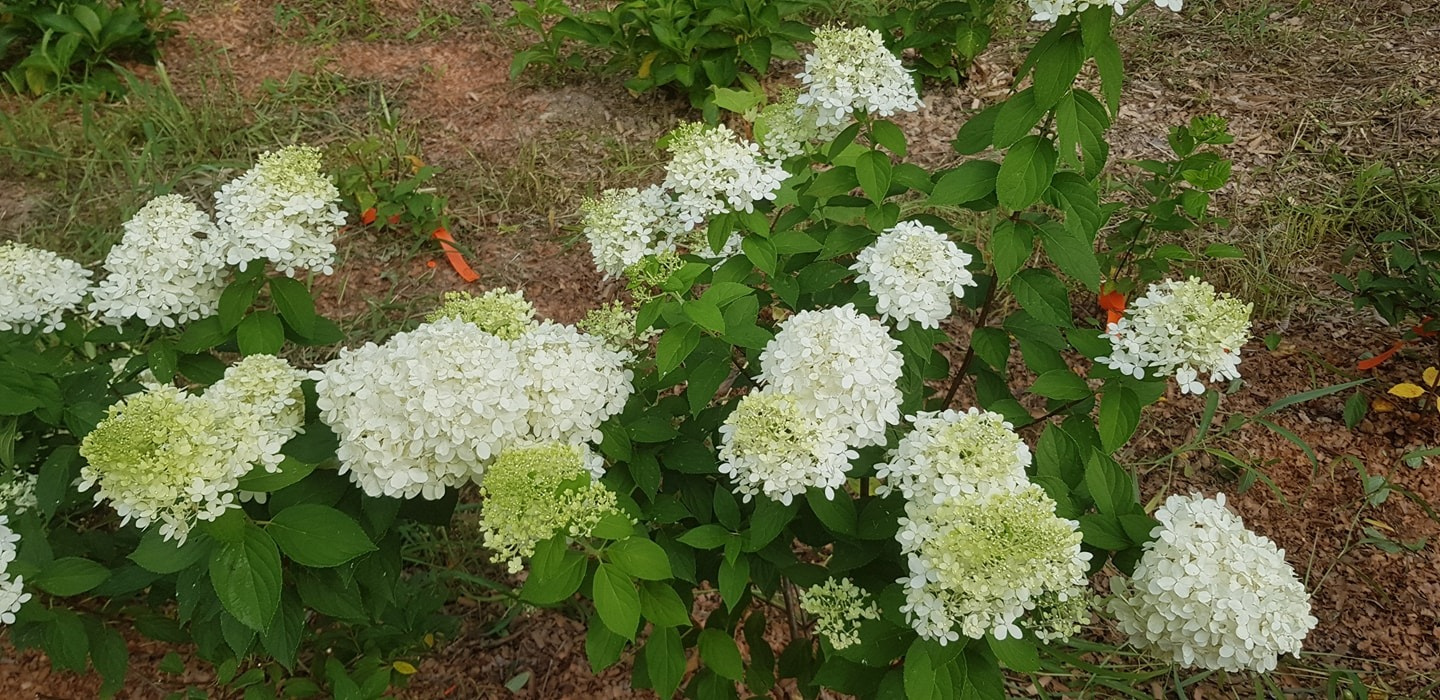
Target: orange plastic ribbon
x=1113, y=303
x=1375, y=361
x=367, y=217
x=453, y=256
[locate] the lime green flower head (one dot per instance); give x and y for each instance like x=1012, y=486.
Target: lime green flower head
x=499, y=312
x=534, y=492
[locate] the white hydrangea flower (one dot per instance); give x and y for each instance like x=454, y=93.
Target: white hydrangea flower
x=785, y=128
x=170, y=457
x=499, y=312
x=980, y=561
x=840, y=366
x=267, y=389
x=623, y=226
x=17, y=496
x=37, y=288
x=614, y=323
x=282, y=210
x=913, y=270
x=839, y=606
x=534, y=491
x=1183, y=329
x=955, y=453
x=573, y=382
x=167, y=269
x=711, y=171
x=12, y=588
x=851, y=70
x=1052, y=10
x=771, y=446
x=1207, y=592
x=425, y=411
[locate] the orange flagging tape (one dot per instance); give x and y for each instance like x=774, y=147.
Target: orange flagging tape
x=453, y=256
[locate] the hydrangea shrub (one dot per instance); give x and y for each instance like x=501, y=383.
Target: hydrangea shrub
x=806, y=416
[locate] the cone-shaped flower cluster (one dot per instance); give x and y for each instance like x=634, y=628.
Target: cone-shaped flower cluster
x=1183, y=329
x=37, y=288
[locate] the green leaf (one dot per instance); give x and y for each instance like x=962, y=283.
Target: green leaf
x=1355, y=409
x=1025, y=173
x=1109, y=485
x=556, y=572
x=721, y=655
x=616, y=600
x=162, y=557
x=675, y=345
x=318, y=536
x=246, y=577
x=109, y=654
x=201, y=335
x=66, y=642
x=602, y=648
x=236, y=300
x=1017, y=116
x=734, y=580
x=1015, y=654
x=69, y=576
x=261, y=333
x=1304, y=396
x=1044, y=296
x=972, y=181
x=1011, y=246
x=662, y=606
x=768, y=521
x=291, y=471
x=704, y=381
x=706, y=537
x=640, y=558
x=293, y=300
x=1073, y=254
x=665, y=661
x=1119, y=416
x=992, y=346
x=887, y=134
x=1056, y=69
x=1060, y=384
x=873, y=169
x=705, y=314
x=838, y=513
x=978, y=132
x=761, y=252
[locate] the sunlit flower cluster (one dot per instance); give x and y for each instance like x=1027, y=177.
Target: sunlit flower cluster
x=955, y=453
x=851, y=70
x=425, y=411
x=431, y=408
x=913, y=271
x=711, y=171
x=170, y=457
x=1183, y=329
x=1208, y=592
x=533, y=492
x=839, y=607
x=623, y=226
x=770, y=445
x=499, y=312
x=978, y=562
x=17, y=495
x=167, y=269
x=37, y=288
x=1052, y=10
x=282, y=210
x=840, y=366
x=12, y=588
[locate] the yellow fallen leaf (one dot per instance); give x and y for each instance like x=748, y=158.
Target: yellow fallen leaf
x=404, y=668
x=430, y=639
x=415, y=163
x=644, y=71
x=1382, y=406
x=1406, y=390
x=1379, y=524
x=1431, y=375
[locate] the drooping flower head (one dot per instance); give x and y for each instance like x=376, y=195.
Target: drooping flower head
x=167, y=269
x=978, y=562
x=427, y=410
x=955, y=453
x=574, y=382
x=623, y=226
x=499, y=312
x=12, y=588
x=839, y=606
x=282, y=210
x=37, y=288
x=533, y=492
x=711, y=171
x=170, y=457
x=1207, y=592
x=1183, y=329
x=770, y=446
x=913, y=271
x=851, y=70
x=840, y=366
